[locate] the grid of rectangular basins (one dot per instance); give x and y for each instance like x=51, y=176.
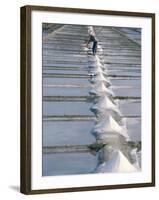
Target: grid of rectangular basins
x=67, y=118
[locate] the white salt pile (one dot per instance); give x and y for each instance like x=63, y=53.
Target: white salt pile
x=100, y=78
x=100, y=88
x=103, y=104
x=118, y=163
x=99, y=63
x=98, y=70
x=109, y=127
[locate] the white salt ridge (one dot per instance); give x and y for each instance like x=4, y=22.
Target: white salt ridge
x=100, y=88
x=100, y=78
x=100, y=48
x=119, y=163
x=109, y=127
x=103, y=114
x=99, y=63
x=98, y=70
x=105, y=103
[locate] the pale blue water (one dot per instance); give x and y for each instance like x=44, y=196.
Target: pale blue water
x=130, y=107
x=67, y=81
x=69, y=163
x=56, y=133
x=59, y=91
x=63, y=108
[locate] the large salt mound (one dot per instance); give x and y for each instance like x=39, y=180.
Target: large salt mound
x=99, y=77
x=109, y=127
x=99, y=63
x=98, y=70
x=104, y=104
x=100, y=88
x=118, y=163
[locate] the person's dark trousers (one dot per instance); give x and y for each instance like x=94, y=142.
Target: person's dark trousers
x=94, y=49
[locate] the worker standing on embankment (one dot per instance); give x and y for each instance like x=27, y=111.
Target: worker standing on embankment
x=92, y=39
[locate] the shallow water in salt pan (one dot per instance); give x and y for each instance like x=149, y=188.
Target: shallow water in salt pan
x=126, y=82
x=67, y=133
x=59, y=91
x=69, y=163
x=63, y=108
x=65, y=81
x=134, y=128
x=66, y=71
x=130, y=108
x=126, y=92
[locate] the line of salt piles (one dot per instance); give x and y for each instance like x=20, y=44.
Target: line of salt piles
x=110, y=128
